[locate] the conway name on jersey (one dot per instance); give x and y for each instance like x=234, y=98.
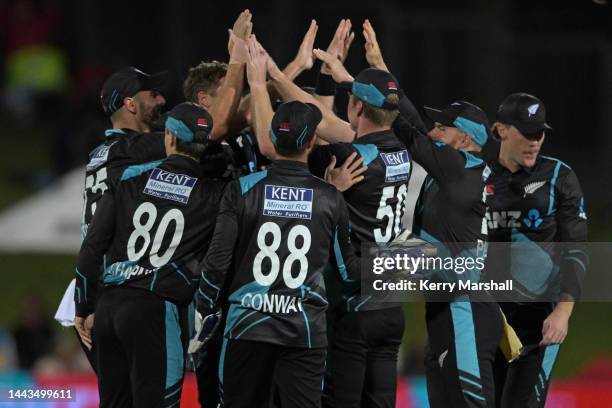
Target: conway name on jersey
x=274, y=235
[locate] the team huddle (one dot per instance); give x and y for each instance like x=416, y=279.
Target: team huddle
x=225, y=236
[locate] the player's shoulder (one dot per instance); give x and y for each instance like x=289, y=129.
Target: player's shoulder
x=131, y=173
x=553, y=167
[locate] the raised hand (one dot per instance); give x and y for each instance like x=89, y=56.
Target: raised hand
x=336, y=69
x=372, y=49
x=304, y=59
x=340, y=43
x=242, y=28
x=240, y=51
x=257, y=62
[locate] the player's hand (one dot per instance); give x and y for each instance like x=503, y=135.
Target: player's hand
x=348, y=174
x=304, y=59
x=84, y=327
x=554, y=329
x=205, y=326
x=242, y=28
x=373, y=53
x=340, y=43
x=240, y=50
x=338, y=72
x=257, y=60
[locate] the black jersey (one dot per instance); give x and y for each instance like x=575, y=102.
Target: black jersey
x=150, y=232
x=377, y=204
x=122, y=148
x=274, y=235
x=451, y=208
x=536, y=209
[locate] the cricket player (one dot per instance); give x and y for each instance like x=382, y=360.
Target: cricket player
x=275, y=232
x=132, y=100
x=536, y=203
x=145, y=243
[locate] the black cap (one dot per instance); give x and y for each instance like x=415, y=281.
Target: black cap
x=127, y=83
x=525, y=112
x=294, y=124
x=372, y=86
x=465, y=116
x=190, y=123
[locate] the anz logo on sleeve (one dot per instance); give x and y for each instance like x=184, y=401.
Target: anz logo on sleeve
x=514, y=219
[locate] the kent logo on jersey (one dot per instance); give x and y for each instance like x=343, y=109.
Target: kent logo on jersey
x=288, y=202
x=397, y=165
x=171, y=186
x=99, y=156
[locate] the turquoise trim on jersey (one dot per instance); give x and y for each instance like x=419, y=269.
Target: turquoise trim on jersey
x=428, y=237
x=174, y=347
x=179, y=129
x=307, y=327
x=222, y=361
x=340, y=259
x=248, y=182
x=111, y=132
x=84, y=285
x=363, y=302
x=153, y=281
x=550, y=355
x=369, y=152
x=439, y=144
x=553, y=181
x=471, y=160
x=467, y=380
x=236, y=311
x=138, y=169
x=252, y=325
x=531, y=266
x=210, y=301
x=176, y=268
x=556, y=160
x=368, y=93
x=308, y=290
x=465, y=337
x=78, y=292
x=428, y=184
x=477, y=131
x=473, y=395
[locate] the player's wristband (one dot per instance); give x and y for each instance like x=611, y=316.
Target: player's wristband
x=326, y=86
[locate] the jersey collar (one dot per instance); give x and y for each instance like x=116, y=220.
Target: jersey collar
x=116, y=132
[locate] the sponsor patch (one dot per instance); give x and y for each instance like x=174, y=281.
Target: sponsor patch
x=288, y=202
x=99, y=156
x=171, y=186
x=397, y=165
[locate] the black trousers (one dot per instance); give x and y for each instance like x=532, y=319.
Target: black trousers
x=207, y=373
x=251, y=371
x=140, y=349
x=524, y=382
x=363, y=358
x=463, y=339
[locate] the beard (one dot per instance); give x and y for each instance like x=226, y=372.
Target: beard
x=151, y=116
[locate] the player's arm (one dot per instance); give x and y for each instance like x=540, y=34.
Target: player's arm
x=261, y=106
x=225, y=108
x=572, y=234
x=303, y=61
x=89, y=265
x=95, y=245
x=339, y=46
x=347, y=261
x=332, y=128
x=220, y=252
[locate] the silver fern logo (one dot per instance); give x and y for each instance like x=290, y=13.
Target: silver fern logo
x=533, y=187
x=533, y=109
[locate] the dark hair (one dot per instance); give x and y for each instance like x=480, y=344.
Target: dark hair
x=292, y=152
x=194, y=150
x=380, y=116
x=203, y=77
